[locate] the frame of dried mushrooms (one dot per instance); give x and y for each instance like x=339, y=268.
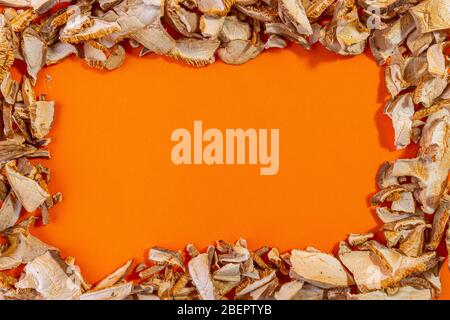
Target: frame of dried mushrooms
x=409, y=38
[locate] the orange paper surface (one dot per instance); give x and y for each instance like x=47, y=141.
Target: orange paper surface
x=122, y=194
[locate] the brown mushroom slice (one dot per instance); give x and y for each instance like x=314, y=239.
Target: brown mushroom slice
x=6, y=47
x=403, y=293
x=9, y=212
x=290, y=290
x=59, y=51
x=233, y=29
x=429, y=88
x=401, y=110
x=430, y=168
x=117, y=292
x=9, y=89
x=413, y=244
x=433, y=278
x=215, y=7
x=41, y=118
x=98, y=29
x=264, y=292
x=116, y=58
x=259, y=12
x=440, y=221
x=414, y=69
x=23, y=247
x=229, y=273
x=436, y=59
x=393, y=75
x=292, y=13
x=311, y=292
x=356, y=239
x=166, y=257
x=320, y=269
x=29, y=192
x=10, y=150
x=114, y=277
x=418, y=42
x=345, y=35
x=156, y=38
x=211, y=26
x=34, y=51
x=201, y=277
x=197, y=53
x=23, y=19
x=239, y=51
x=388, y=193
x=407, y=223
x=431, y=15
x=46, y=275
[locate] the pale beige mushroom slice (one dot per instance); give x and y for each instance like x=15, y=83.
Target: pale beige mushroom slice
x=403, y=293
x=280, y=29
x=315, y=9
x=429, y=88
x=233, y=29
x=41, y=118
x=418, y=42
x=401, y=110
x=166, y=257
x=255, y=285
x=414, y=242
x=156, y=38
x=7, y=47
x=116, y=292
x=311, y=292
x=320, y=269
x=215, y=7
x=440, y=221
x=46, y=275
x=229, y=272
x=197, y=53
x=115, y=277
x=9, y=212
x=9, y=89
x=414, y=69
x=239, y=51
x=210, y=26
x=384, y=176
x=404, y=203
x=184, y=21
x=116, y=58
x=34, y=51
x=275, y=41
x=430, y=168
x=29, y=192
x=259, y=12
x=345, y=35
x=201, y=276
x=431, y=15
x=23, y=247
x=59, y=51
x=436, y=59
x=291, y=12
x=290, y=290
x=15, y=3
x=98, y=29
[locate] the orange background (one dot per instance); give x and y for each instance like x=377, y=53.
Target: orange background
x=122, y=194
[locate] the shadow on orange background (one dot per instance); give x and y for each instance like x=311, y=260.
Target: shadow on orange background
x=122, y=194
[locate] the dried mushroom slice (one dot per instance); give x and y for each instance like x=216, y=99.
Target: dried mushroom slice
x=10, y=150
x=292, y=13
x=197, y=53
x=6, y=47
x=23, y=247
x=290, y=290
x=358, y=239
x=211, y=26
x=93, y=56
x=431, y=15
x=41, y=118
x=430, y=168
x=401, y=110
x=116, y=58
x=275, y=41
x=59, y=51
x=418, y=42
x=259, y=12
x=47, y=275
x=29, y=192
x=440, y=221
x=320, y=269
x=429, y=88
x=23, y=20
x=9, y=89
x=239, y=51
x=34, y=51
x=9, y=212
x=403, y=293
x=117, y=292
x=201, y=277
x=98, y=29
x=114, y=277
x=436, y=59
x=233, y=29
x=315, y=9
x=215, y=7
x=345, y=35
x=184, y=21
x=167, y=257
x=280, y=29
x=156, y=38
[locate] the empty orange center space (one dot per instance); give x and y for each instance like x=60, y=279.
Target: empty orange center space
x=111, y=147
